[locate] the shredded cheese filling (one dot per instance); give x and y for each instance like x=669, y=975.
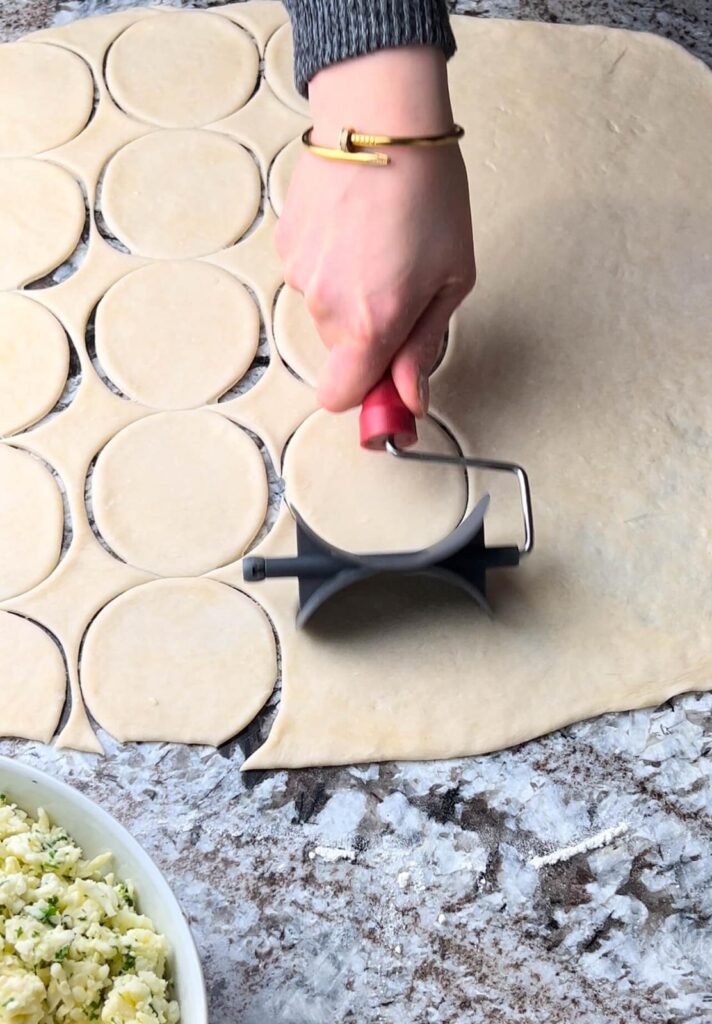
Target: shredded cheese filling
x=73, y=947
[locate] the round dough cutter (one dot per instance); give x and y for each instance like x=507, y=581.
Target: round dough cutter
x=463, y=558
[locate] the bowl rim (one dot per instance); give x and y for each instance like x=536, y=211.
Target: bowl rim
x=183, y=937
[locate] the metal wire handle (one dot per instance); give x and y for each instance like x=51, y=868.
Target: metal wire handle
x=488, y=464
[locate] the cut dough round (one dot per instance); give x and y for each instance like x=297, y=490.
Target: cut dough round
x=279, y=70
x=369, y=502
x=34, y=680
x=180, y=493
x=46, y=96
x=186, y=661
x=31, y=522
x=182, y=70
x=176, y=335
x=281, y=173
x=297, y=338
x=179, y=194
x=34, y=359
x=41, y=219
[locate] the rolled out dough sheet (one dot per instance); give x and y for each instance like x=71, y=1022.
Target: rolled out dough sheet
x=173, y=336
x=583, y=354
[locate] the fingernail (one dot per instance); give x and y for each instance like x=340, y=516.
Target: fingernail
x=424, y=393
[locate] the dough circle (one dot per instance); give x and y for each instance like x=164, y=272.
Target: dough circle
x=34, y=359
x=182, y=70
x=186, y=661
x=46, y=97
x=176, y=335
x=279, y=70
x=296, y=337
x=281, y=173
x=179, y=194
x=41, y=219
x=180, y=493
x=31, y=522
x=369, y=502
x=34, y=680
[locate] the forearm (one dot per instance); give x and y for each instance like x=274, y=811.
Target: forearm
x=330, y=31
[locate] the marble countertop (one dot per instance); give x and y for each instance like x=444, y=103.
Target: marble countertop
x=567, y=879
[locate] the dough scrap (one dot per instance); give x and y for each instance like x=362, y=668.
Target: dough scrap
x=584, y=354
x=34, y=359
x=34, y=680
x=177, y=194
x=296, y=337
x=367, y=502
x=46, y=97
x=41, y=219
x=176, y=335
x=31, y=521
x=179, y=493
x=279, y=65
x=190, y=661
x=182, y=70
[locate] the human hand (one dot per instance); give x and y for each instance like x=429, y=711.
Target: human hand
x=384, y=255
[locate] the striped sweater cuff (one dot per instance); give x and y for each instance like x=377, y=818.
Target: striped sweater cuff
x=328, y=31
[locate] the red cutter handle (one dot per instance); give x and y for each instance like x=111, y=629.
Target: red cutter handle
x=384, y=414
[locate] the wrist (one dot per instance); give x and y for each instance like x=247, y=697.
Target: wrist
x=402, y=91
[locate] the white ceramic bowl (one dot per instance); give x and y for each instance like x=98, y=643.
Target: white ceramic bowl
x=96, y=831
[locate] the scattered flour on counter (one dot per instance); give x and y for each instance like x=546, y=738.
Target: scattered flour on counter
x=585, y=846
x=332, y=854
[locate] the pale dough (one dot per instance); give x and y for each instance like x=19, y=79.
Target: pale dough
x=176, y=335
x=180, y=194
x=34, y=680
x=584, y=354
x=41, y=219
x=280, y=173
x=279, y=70
x=296, y=337
x=190, y=661
x=88, y=576
x=31, y=521
x=34, y=358
x=179, y=493
x=367, y=502
x=46, y=98
x=182, y=70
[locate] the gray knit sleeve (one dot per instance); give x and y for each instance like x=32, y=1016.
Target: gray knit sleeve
x=327, y=31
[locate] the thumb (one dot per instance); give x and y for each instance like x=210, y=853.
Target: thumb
x=414, y=361
x=350, y=373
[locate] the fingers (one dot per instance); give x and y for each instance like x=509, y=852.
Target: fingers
x=349, y=375
x=413, y=363
x=362, y=345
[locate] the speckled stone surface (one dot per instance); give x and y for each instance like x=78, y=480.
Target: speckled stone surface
x=397, y=894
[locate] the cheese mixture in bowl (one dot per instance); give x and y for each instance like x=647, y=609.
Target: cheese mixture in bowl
x=73, y=946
